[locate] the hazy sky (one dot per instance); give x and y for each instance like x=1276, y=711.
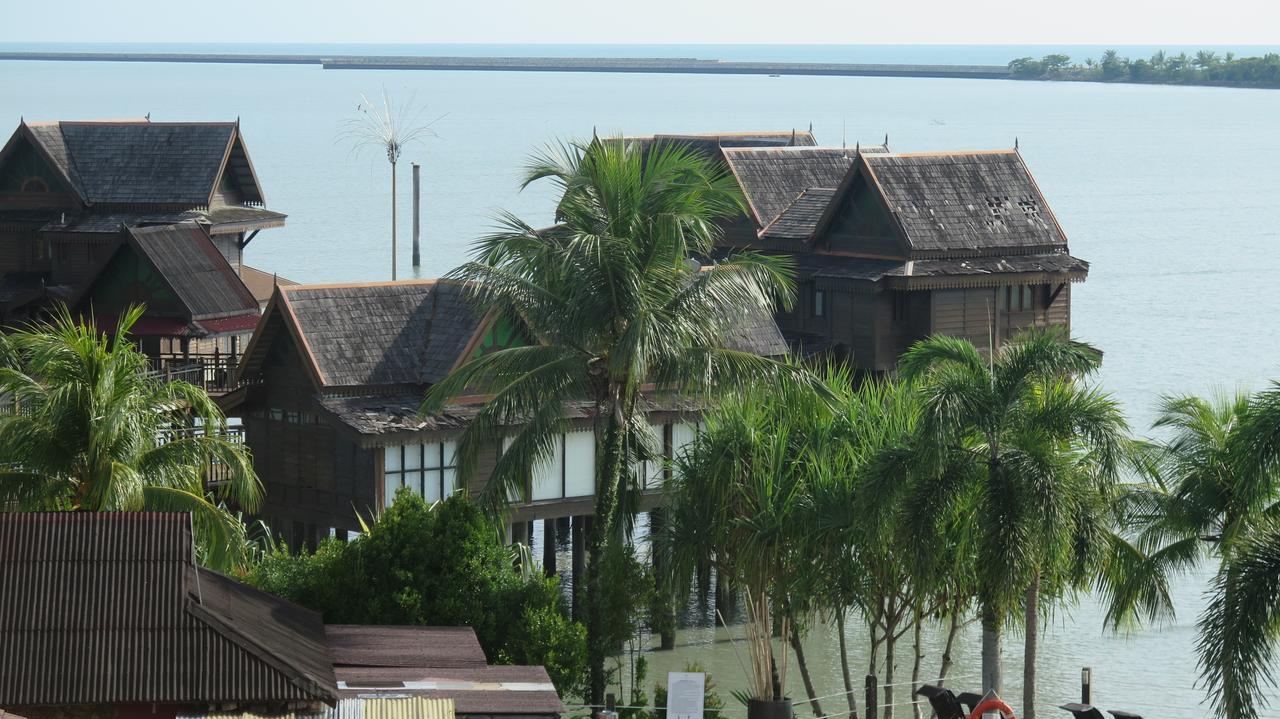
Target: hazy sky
x=646, y=21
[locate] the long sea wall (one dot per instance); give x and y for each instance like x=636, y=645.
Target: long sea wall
x=536, y=64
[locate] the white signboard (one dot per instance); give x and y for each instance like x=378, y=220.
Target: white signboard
x=685, y=692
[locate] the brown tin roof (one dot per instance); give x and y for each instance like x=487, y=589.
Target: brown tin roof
x=109, y=608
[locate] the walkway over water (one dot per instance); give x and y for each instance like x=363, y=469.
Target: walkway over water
x=683, y=66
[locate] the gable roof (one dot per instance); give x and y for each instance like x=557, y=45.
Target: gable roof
x=138, y=162
x=100, y=608
x=410, y=332
x=203, y=279
x=964, y=201
x=773, y=178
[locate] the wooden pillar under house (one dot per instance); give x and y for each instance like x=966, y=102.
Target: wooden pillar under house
x=549, y=547
x=519, y=533
x=581, y=525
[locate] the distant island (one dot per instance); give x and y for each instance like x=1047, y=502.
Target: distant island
x=1204, y=68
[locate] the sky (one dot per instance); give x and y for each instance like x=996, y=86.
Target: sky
x=1176, y=22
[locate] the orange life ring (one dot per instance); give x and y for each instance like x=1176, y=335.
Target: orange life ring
x=987, y=705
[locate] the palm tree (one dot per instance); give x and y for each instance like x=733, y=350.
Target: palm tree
x=614, y=306
x=1234, y=506
x=388, y=129
x=1240, y=626
x=1022, y=422
x=738, y=500
x=90, y=430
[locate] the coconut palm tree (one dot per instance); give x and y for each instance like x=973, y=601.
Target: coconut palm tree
x=1240, y=626
x=614, y=307
x=1022, y=423
x=88, y=429
x=1232, y=504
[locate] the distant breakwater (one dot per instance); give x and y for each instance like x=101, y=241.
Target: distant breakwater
x=538, y=64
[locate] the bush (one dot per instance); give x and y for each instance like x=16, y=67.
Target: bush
x=439, y=565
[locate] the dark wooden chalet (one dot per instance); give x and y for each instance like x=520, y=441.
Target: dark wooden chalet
x=199, y=313
x=72, y=194
x=893, y=247
x=333, y=380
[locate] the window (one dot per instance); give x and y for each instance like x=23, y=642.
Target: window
x=429, y=470
x=899, y=306
x=34, y=184
x=819, y=303
x=1017, y=298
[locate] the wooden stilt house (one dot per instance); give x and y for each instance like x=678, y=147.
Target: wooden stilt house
x=332, y=383
x=890, y=248
x=73, y=194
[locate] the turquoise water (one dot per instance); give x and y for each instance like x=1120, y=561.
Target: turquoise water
x=1170, y=192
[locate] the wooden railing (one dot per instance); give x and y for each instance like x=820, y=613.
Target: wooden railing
x=214, y=373
x=216, y=473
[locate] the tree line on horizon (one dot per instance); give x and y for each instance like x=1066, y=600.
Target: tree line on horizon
x=1204, y=68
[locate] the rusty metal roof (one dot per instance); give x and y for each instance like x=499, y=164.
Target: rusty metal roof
x=110, y=608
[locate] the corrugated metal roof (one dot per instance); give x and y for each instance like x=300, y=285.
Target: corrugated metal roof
x=109, y=608
x=357, y=708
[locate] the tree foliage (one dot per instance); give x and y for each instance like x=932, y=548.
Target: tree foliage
x=87, y=426
x=440, y=565
x=614, y=306
x=1205, y=68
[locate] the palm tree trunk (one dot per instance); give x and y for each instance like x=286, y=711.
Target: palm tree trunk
x=608, y=473
x=1029, y=652
x=804, y=670
x=991, y=669
x=953, y=629
x=890, y=641
x=393, y=220
x=844, y=667
x=919, y=652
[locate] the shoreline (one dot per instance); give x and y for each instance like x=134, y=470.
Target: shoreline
x=536, y=64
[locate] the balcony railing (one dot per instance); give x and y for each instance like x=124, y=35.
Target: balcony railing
x=214, y=373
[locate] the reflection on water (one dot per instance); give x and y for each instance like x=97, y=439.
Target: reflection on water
x=1149, y=671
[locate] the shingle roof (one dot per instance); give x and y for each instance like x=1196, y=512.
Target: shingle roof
x=798, y=222
x=195, y=269
x=408, y=332
x=138, y=162
x=99, y=608
x=772, y=178
x=965, y=201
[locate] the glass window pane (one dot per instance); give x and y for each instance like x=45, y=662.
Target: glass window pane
x=432, y=486
x=413, y=456
x=413, y=480
x=580, y=464
x=548, y=478
x=450, y=481
x=450, y=453
x=391, y=458
x=390, y=484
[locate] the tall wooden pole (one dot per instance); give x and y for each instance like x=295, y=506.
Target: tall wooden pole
x=417, y=202
x=393, y=220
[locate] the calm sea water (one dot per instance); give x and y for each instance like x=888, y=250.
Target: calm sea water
x=1171, y=192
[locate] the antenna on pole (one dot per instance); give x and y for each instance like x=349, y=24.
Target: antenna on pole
x=886, y=141
x=1015, y=143
x=844, y=140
